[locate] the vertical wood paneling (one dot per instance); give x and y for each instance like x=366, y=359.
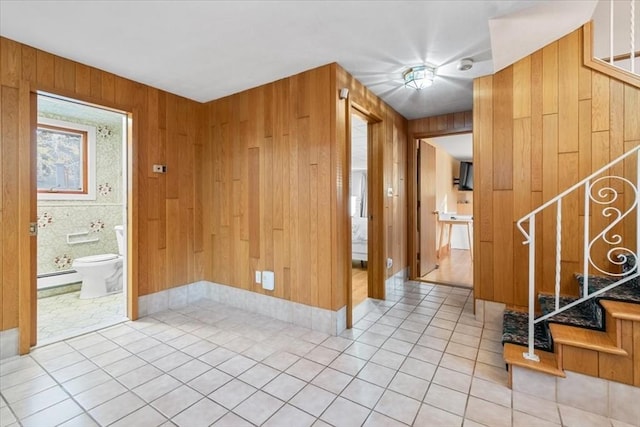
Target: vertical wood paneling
x=600, y=109
x=254, y=202
x=503, y=238
x=577, y=121
x=537, y=86
x=522, y=88
x=10, y=207
x=154, y=217
x=569, y=58
x=550, y=79
x=483, y=155
x=631, y=116
x=522, y=166
x=282, y=143
x=503, y=129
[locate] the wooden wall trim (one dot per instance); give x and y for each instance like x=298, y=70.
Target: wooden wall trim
x=428, y=127
x=601, y=66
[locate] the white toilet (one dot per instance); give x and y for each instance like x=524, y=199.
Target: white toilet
x=101, y=274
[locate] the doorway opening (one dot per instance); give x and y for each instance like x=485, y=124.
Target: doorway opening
x=359, y=209
x=81, y=176
x=445, y=210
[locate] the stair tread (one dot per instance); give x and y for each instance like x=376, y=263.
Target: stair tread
x=513, y=355
x=516, y=329
x=622, y=310
x=581, y=315
x=629, y=291
x=584, y=338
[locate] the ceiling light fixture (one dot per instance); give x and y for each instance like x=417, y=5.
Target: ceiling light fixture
x=419, y=77
x=465, y=64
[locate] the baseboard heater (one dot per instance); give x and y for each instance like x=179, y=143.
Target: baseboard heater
x=58, y=278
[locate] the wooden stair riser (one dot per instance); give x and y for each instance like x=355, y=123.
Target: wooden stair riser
x=621, y=368
x=585, y=338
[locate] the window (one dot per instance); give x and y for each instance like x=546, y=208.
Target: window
x=66, y=160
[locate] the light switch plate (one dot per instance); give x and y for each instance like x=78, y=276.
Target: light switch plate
x=258, y=276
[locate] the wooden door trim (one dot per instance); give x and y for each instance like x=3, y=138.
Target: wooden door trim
x=376, y=281
x=412, y=192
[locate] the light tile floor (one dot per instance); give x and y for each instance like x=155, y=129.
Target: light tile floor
x=66, y=315
x=419, y=358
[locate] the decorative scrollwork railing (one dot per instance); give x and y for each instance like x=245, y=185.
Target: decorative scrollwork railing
x=609, y=242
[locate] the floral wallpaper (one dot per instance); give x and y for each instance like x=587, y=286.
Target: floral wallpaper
x=57, y=219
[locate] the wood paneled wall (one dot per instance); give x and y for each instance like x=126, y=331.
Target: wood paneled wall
x=541, y=125
x=268, y=187
x=389, y=158
x=276, y=186
x=255, y=181
x=167, y=238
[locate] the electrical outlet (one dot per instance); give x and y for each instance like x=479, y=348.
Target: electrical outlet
x=159, y=168
x=268, y=280
x=389, y=263
x=258, y=276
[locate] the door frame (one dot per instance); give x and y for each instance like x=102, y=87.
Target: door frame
x=412, y=190
x=27, y=288
x=375, y=202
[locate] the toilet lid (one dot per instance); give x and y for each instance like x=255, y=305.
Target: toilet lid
x=97, y=258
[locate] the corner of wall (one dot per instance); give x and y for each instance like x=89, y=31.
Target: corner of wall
x=9, y=343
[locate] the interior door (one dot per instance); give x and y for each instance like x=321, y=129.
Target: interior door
x=426, y=207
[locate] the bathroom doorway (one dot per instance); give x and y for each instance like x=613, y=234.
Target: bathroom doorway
x=81, y=174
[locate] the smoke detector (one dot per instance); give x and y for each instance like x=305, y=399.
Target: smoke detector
x=465, y=64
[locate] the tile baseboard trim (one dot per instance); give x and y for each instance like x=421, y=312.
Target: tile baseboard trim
x=315, y=318
x=614, y=400
x=397, y=280
x=9, y=343
x=490, y=312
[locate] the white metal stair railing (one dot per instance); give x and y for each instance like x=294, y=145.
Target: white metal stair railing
x=622, y=39
x=617, y=254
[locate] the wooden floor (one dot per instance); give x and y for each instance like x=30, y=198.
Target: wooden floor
x=359, y=280
x=455, y=268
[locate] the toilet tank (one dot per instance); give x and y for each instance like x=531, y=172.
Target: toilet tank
x=120, y=237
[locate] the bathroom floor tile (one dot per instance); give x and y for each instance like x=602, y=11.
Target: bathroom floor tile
x=61, y=315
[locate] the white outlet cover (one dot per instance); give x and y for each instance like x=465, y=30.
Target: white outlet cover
x=268, y=280
x=258, y=277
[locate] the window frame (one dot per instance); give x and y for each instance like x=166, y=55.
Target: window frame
x=89, y=160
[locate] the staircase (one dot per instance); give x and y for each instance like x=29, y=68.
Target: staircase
x=593, y=337
x=591, y=323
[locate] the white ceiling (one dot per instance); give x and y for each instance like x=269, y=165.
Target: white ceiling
x=460, y=146
x=205, y=50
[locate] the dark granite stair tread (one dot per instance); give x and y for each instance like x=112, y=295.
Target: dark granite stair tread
x=582, y=315
x=516, y=331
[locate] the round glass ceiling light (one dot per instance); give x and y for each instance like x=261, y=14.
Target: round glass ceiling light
x=419, y=77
